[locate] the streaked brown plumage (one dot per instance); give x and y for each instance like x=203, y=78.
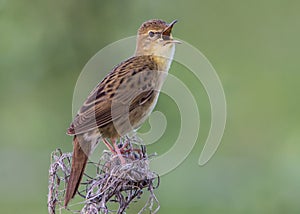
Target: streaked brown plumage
x=123, y=100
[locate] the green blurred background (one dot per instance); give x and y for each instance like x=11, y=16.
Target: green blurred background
x=254, y=47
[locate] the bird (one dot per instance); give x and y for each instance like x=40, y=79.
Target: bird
x=123, y=100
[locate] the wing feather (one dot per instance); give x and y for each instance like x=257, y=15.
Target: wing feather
x=96, y=111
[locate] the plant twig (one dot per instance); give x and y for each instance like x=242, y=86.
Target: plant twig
x=114, y=183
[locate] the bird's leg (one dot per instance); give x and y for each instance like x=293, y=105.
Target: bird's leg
x=107, y=144
x=117, y=149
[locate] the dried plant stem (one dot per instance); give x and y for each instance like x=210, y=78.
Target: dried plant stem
x=114, y=183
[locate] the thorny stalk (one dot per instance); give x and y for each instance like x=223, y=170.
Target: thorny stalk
x=114, y=183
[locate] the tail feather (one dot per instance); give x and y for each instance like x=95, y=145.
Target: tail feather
x=79, y=160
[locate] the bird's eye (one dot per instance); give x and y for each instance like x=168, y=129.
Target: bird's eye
x=151, y=33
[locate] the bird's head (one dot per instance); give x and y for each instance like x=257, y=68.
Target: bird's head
x=155, y=38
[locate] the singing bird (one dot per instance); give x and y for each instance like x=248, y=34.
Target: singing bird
x=123, y=100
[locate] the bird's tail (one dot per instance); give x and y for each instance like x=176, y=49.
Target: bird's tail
x=79, y=160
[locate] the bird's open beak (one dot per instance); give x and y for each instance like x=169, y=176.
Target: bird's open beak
x=166, y=34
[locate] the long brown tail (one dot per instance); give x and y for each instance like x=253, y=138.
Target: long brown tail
x=79, y=160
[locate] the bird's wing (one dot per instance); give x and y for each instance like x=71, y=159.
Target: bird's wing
x=109, y=96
